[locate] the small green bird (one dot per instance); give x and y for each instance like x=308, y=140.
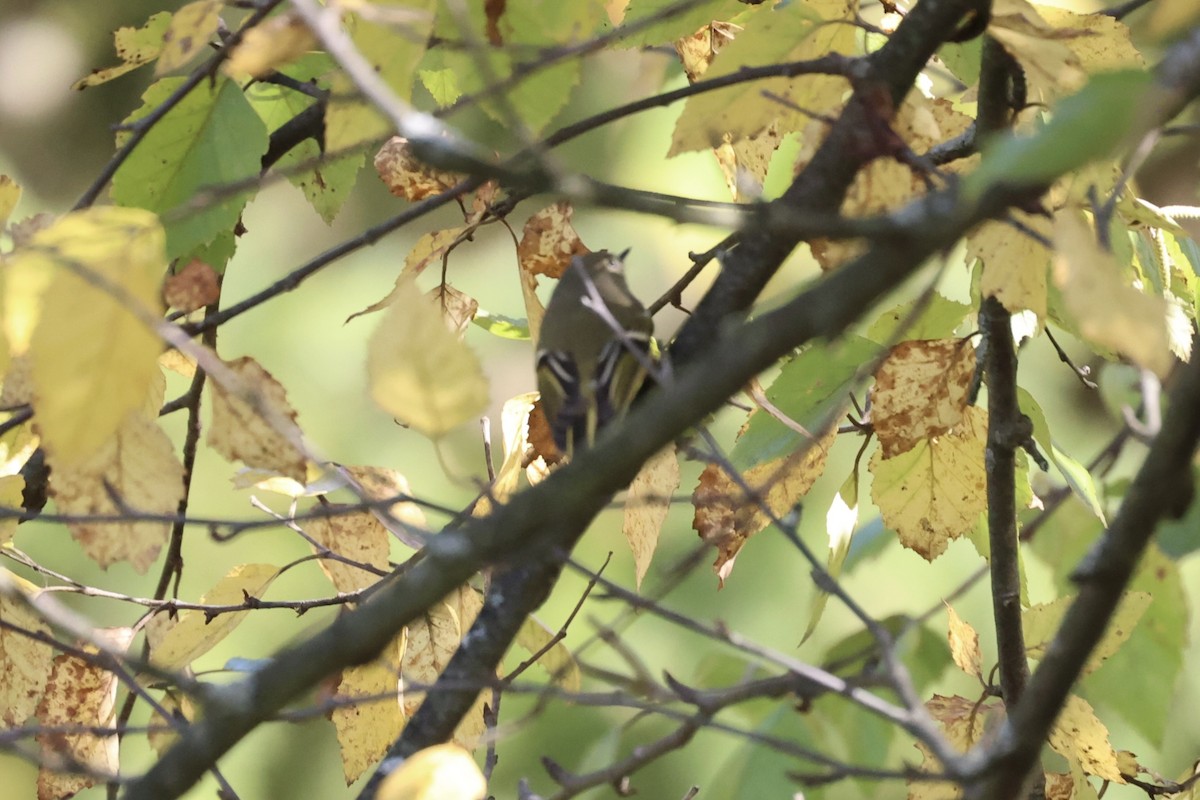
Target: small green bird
x=588, y=373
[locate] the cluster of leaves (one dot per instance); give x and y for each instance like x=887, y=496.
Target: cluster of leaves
x=99, y=301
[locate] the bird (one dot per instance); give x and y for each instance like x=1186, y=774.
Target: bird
x=591, y=356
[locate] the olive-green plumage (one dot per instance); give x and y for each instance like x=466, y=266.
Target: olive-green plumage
x=587, y=372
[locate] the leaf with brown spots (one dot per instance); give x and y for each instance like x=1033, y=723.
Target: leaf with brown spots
x=920, y=392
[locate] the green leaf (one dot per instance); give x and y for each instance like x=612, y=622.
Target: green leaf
x=1087, y=126
x=1179, y=537
x=212, y=138
x=1073, y=472
x=502, y=326
x=326, y=185
x=939, y=319
x=807, y=390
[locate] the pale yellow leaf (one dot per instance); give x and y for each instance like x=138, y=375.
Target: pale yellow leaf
x=441, y=772
x=964, y=643
x=554, y=656
x=192, y=634
x=1079, y=734
x=138, y=464
x=78, y=693
x=11, y=489
x=135, y=47
x=514, y=427
x=1100, y=42
x=935, y=492
x=381, y=483
x=458, y=308
x=10, y=195
x=24, y=662
x=921, y=391
x=420, y=373
x=1108, y=310
x=277, y=41
x=1015, y=265
x=1041, y=622
x=432, y=641
x=886, y=184
x=647, y=505
x=93, y=357
x=1051, y=67
x=773, y=35
x=189, y=34
x=964, y=721
x=254, y=423
x=368, y=716
x=358, y=537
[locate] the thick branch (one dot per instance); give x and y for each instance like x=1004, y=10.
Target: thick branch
x=823, y=183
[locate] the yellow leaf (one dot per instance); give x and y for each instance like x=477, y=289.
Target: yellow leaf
x=12, y=488
x=1015, y=265
x=1041, y=622
x=420, y=373
x=135, y=47
x=1102, y=43
x=1078, y=734
x=368, y=716
x=25, y=663
x=555, y=657
x=791, y=32
x=10, y=194
x=278, y=41
x=189, y=34
x=964, y=643
x=381, y=483
x=514, y=427
x=432, y=640
x=138, y=464
x=79, y=693
x=647, y=505
x=1051, y=68
x=726, y=518
x=93, y=357
x=934, y=492
x=181, y=641
x=921, y=391
x=1108, y=310
x=441, y=772
x=254, y=423
x=357, y=537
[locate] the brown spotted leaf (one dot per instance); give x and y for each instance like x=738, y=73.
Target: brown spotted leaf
x=920, y=392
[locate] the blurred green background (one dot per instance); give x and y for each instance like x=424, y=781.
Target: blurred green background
x=54, y=141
